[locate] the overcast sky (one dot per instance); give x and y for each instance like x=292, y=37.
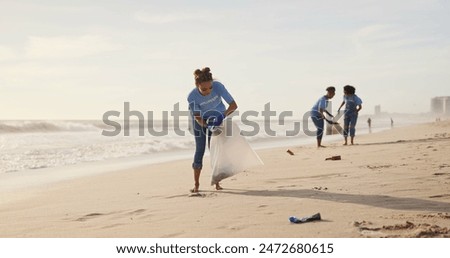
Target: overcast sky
x=79, y=59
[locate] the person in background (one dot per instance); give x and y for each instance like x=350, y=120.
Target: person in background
x=353, y=104
x=318, y=116
x=207, y=109
x=369, y=122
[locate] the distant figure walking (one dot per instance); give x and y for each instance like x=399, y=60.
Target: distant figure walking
x=369, y=122
x=353, y=104
x=392, y=123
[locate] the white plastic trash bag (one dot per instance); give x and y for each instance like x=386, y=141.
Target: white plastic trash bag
x=230, y=152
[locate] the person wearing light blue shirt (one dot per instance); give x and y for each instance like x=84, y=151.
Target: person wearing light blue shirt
x=207, y=109
x=317, y=113
x=353, y=104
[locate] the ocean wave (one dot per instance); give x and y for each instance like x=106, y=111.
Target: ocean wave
x=51, y=126
x=36, y=145
x=48, y=126
x=45, y=150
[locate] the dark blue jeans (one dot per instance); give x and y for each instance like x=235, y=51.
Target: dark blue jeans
x=350, y=124
x=200, y=144
x=319, y=123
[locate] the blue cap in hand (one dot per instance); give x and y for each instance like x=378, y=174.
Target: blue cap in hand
x=215, y=120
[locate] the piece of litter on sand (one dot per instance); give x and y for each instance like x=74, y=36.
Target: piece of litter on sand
x=296, y=220
x=290, y=152
x=334, y=158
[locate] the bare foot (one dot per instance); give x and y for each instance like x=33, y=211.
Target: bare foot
x=218, y=187
x=321, y=146
x=195, y=189
x=344, y=143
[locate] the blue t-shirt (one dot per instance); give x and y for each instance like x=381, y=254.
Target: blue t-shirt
x=206, y=106
x=320, y=104
x=350, y=103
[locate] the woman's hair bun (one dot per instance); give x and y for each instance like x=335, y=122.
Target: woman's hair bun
x=197, y=72
x=202, y=75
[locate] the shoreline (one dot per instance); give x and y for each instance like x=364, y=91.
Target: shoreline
x=390, y=184
x=35, y=178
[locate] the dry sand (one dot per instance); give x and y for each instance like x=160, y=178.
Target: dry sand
x=391, y=184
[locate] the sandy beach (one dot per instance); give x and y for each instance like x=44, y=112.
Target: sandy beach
x=394, y=183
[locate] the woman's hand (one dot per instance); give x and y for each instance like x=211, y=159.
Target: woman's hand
x=215, y=120
x=231, y=108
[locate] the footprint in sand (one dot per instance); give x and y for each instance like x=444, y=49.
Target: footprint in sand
x=286, y=186
x=444, y=166
x=407, y=229
x=89, y=216
x=440, y=215
x=112, y=226
x=378, y=167
x=439, y=196
x=440, y=174
x=136, y=212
